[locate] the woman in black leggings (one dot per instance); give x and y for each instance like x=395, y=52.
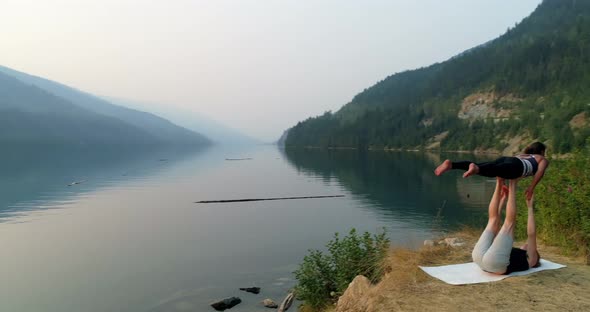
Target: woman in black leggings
x=531, y=163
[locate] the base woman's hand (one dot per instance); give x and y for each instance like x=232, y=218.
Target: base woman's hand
x=529, y=193
x=530, y=201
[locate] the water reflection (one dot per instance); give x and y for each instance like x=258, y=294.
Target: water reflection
x=36, y=178
x=131, y=238
x=399, y=185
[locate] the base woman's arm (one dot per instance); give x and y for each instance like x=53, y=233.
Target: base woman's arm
x=537, y=178
x=531, y=246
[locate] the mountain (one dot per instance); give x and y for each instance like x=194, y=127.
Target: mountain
x=159, y=129
x=29, y=114
x=216, y=131
x=529, y=84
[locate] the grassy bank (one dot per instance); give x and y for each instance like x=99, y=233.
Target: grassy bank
x=404, y=287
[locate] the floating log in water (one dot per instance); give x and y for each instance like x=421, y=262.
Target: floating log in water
x=286, y=303
x=238, y=159
x=261, y=199
x=77, y=182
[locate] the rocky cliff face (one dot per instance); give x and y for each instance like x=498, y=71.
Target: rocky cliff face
x=488, y=106
x=485, y=105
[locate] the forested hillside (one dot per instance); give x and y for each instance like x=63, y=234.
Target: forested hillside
x=532, y=83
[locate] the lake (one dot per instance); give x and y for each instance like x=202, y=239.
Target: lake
x=115, y=230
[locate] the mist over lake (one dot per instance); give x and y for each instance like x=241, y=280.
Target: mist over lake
x=130, y=237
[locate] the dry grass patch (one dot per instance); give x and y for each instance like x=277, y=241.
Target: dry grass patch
x=405, y=287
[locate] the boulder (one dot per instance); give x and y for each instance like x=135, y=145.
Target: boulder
x=269, y=303
x=429, y=243
x=254, y=290
x=354, y=298
x=226, y=303
x=454, y=242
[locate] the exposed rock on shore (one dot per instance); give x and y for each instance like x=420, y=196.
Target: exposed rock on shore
x=254, y=290
x=269, y=303
x=226, y=303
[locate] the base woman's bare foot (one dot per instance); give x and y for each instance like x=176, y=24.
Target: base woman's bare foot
x=473, y=169
x=444, y=167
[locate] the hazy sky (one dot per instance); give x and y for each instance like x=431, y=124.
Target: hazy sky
x=257, y=65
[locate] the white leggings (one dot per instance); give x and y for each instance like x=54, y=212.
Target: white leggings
x=492, y=254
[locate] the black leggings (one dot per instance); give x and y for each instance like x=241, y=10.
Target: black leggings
x=503, y=167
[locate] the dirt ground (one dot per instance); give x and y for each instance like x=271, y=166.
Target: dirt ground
x=407, y=288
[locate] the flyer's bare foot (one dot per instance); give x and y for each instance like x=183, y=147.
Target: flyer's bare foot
x=473, y=169
x=444, y=167
x=505, y=190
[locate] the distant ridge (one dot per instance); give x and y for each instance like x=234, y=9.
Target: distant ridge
x=31, y=115
x=213, y=130
x=160, y=130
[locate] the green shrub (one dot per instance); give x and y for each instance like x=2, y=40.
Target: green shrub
x=562, y=204
x=322, y=277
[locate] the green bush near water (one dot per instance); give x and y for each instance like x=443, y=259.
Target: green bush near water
x=323, y=277
x=562, y=204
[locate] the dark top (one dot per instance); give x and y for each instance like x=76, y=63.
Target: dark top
x=518, y=261
x=533, y=161
x=530, y=164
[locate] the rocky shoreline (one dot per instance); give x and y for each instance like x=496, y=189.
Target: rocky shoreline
x=230, y=302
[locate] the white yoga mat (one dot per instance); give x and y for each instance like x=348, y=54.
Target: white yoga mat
x=470, y=273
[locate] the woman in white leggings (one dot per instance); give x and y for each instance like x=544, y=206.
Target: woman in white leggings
x=494, y=252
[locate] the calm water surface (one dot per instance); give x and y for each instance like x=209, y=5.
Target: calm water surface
x=129, y=237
